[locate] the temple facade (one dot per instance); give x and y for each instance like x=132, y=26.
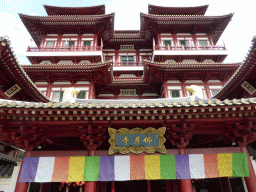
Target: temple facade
x=157, y=108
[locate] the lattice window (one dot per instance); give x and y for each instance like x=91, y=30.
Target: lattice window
x=184, y=42
x=50, y=43
x=81, y=95
x=87, y=43
x=175, y=93
x=167, y=42
x=203, y=43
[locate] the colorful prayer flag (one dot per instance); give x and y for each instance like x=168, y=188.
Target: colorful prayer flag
x=135, y=167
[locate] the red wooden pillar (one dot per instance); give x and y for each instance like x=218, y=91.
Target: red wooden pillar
x=21, y=187
x=250, y=181
x=96, y=40
x=79, y=44
x=184, y=92
x=175, y=41
x=224, y=183
x=207, y=90
x=113, y=189
x=185, y=185
x=165, y=90
x=172, y=186
x=195, y=40
x=45, y=187
x=148, y=186
x=158, y=39
x=116, y=56
x=58, y=44
x=210, y=40
x=90, y=186
x=49, y=90
x=91, y=89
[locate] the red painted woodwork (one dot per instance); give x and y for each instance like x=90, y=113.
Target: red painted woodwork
x=165, y=90
x=128, y=64
x=64, y=48
x=207, y=90
x=21, y=187
x=113, y=189
x=224, y=183
x=149, y=186
x=162, y=10
x=48, y=90
x=184, y=91
x=45, y=187
x=185, y=185
x=250, y=181
x=188, y=48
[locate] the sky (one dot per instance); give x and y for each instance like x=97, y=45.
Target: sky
x=237, y=36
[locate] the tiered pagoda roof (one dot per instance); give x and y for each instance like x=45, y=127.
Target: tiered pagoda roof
x=127, y=36
x=212, y=25
x=161, y=10
x=92, y=10
x=42, y=25
x=246, y=72
x=198, y=71
x=12, y=73
x=76, y=72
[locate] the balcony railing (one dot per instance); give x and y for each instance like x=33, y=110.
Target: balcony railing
x=188, y=48
x=127, y=64
x=65, y=48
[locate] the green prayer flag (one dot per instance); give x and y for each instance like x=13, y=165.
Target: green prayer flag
x=167, y=167
x=240, y=165
x=91, y=168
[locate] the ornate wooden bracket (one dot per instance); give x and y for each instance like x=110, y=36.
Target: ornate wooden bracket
x=242, y=133
x=92, y=137
x=180, y=135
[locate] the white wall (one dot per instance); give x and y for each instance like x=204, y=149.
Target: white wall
x=5, y=184
x=14, y=178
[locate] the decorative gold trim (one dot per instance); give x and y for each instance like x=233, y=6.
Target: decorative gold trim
x=140, y=149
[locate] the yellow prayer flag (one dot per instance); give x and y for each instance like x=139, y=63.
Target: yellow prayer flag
x=152, y=167
x=225, y=164
x=76, y=169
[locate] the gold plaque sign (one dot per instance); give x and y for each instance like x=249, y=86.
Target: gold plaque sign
x=136, y=140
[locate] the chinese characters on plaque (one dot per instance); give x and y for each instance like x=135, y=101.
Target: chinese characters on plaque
x=248, y=87
x=137, y=140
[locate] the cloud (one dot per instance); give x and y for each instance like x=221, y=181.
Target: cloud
x=17, y=33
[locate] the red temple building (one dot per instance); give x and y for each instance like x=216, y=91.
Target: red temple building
x=128, y=79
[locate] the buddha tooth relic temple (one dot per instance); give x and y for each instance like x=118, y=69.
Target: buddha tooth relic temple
x=149, y=110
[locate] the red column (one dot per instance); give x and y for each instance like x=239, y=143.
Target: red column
x=91, y=89
x=49, y=90
x=158, y=39
x=90, y=186
x=113, y=189
x=250, y=181
x=207, y=90
x=195, y=40
x=21, y=187
x=224, y=183
x=165, y=90
x=185, y=185
x=45, y=187
x=184, y=92
x=148, y=186
x=175, y=41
